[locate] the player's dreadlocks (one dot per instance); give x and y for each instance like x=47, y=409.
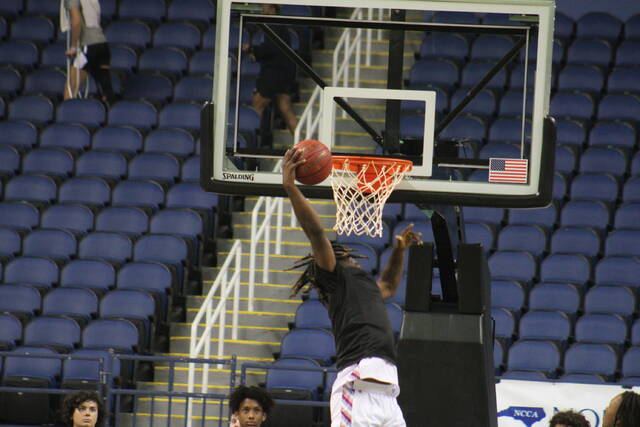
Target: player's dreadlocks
x=308, y=276
x=628, y=413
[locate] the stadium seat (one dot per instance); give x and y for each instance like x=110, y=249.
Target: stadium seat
x=140, y=114
x=166, y=249
x=377, y=243
x=37, y=29
x=56, y=244
x=108, y=246
x=154, y=88
x=10, y=331
x=480, y=233
x=60, y=333
x=85, y=368
x=542, y=217
x=473, y=72
x=517, y=76
x=489, y=47
x=152, y=277
x=125, y=139
x=9, y=161
x=73, y=137
x=583, y=358
x=145, y=194
x=118, y=334
x=176, y=142
x=626, y=54
x=39, y=189
x=49, y=82
x=572, y=105
x=628, y=217
x=511, y=103
x=166, y=60
x=622, y=243
x=135, y=34
x=316, y=344
x=603, y=187
x=21, y=300
x=564, y=26
x=631, y=190
x=312, y=314
x=89, y=112
x=609, y=133
x=582, y=378
x=484, y=215
x=19, y=215
x=123, y=58
x=88, y=273
x=565, y=268
x=137, y=306
x=565, y=159
x=76, y=303
x=465, y=128
x=10, y=81
x=193, y=88
x=128, y=220
x=200, y=11
x=434, y=72
x=160, y=167
x=53, y=56
x=617, y=271
x=182, y=35
x=19, y=53
x=309, y=382
x=610, y=299
x=528, y=238
x=88, y=191
x=55, y=162
x=180, y=115
x=42, y=273
x=624, y=80
x=508, y=294
x=201, y=62
x=631, y=367
x=456, y=17
x=570, y=132
x=545, y=325
x=10, y=244
x=33, y=108
x=591, y=52
x=601, y=328
x=562, y=297
x=587, y=78
x=618, y=107
x=576, y=240
x=598, y=25
x=149, y=10
x=534, y=355
x=185, y=223
x=585, y=213
x=606, y=160
x=444, y=45
x=512, y=266
x=108, y=165
x=525, y=376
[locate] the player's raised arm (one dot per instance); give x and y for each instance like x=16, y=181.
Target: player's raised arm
x=390, y=278
x=307, y=216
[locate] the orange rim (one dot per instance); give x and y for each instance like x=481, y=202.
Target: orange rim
x=357, y=162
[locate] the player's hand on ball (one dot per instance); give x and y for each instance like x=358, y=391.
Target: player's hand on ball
x=292, y=159
x=408, y=237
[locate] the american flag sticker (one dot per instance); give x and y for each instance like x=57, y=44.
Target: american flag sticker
x=508, y=170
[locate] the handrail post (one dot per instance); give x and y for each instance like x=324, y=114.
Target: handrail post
x=279, y=226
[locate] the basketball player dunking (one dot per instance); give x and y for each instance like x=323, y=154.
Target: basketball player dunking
x=364, y=393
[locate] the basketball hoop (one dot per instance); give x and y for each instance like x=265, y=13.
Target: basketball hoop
x=361, y=186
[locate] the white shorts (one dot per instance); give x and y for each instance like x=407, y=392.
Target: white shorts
x=363, y=405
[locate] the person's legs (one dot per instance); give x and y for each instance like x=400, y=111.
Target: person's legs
x=71, y=86
x=283, y=102
x=355, y=408
x=259, y=103
x=99, y=66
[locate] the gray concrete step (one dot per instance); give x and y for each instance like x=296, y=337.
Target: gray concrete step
x=244, y=218
x=322, y=207
x=253, y=318
x=288, y=247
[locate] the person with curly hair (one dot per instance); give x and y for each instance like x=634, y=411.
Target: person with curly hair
x=366, y=387
x=83, y=409
x=623, y=411
x=568, y=419
x=250, y=406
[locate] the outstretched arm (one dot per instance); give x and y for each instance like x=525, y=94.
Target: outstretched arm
x=308, y=218
x=390, y=278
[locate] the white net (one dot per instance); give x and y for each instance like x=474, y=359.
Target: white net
x=360, y=195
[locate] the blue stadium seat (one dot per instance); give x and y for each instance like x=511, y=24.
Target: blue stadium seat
x=10, y=81
x=312, y=314
x=587, y=78
x=89, y=112
x=10, y=244
x=465, y=128
x=76, y=303
x=585, y=213
x=85, y=368
x=167, y=249
x=33, y=108
x=51, y=243
x=618, y=107
x=598, y=25
x=155, y=88
x=623, y=243
x=628, y=216
x=21, y=300
x=201, y=62
x=19, y=215
x=517, y=76
x=316, y=344
x=489, y=47
x=123, y=58
x=617, y=271
x=601, y=328
x=484, y=103
x=131, y=33
x=576, y=240
x=118, y=334
x=140, y=114
x=631, y=367
x=19, y=53
x=60, y=333
x=200, y=11
x=610, y=299
x=562, y=297
x=444, y=45
x=632, y=28
x=635, y=164
x=498, y=356
x=108, y=165
x=603, y=187
x=9, y=161
x=508, y=294
x=11, y=7
x=35, y=271
x=396, y=317
x=566, y=268
x=152, y=277
x=434, y=72
x=623, y=80
x=88, y=191
x=108, y=246
x=176, y=142
x=576, y=105
x=193, y=88
x=182, y=35
x=606, y=160
x=571, y=132
x=160, y=167
x=44, y=81
x=191, y=195
x=565, y=159
x=55, y=162
x=180, y=115
x=582, y=378
x=128, y=220
x=412, y=126
x=39, y=189
x=480, y=233
x=164, y=60
x=626, y=54
x=37, y=29
x=543, y=217
x=53, y=56
x=631, y=190
x=125, y=139
x=88, y=273
x=509, y=130
x=137, y=306
x=525, y=376
x=534, y=355
x=598, y=359
x=511, y=103
x=635, y=333
x=485, y=215
x=10, y=331
x=512, y=266
x=305, y=383
x=144, y=194
x=590, y=52
x=473, y=72
x=528, y=238
x=149, y=10
x=74, y=137
x=545, y=325
x=610, y=133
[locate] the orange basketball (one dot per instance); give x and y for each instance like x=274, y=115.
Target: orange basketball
x=318, y=162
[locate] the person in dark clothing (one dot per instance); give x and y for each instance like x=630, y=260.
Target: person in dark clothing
x=277, y=73
x=568, y=419
x=365, y=390
x=623, y=411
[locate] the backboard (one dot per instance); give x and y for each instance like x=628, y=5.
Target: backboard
x=460, y=88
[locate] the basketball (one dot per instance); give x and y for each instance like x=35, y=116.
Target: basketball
x=317, y=166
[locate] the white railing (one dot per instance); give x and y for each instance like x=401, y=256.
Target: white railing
x=201, y=345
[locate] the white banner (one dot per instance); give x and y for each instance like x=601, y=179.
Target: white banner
x=532, y=404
